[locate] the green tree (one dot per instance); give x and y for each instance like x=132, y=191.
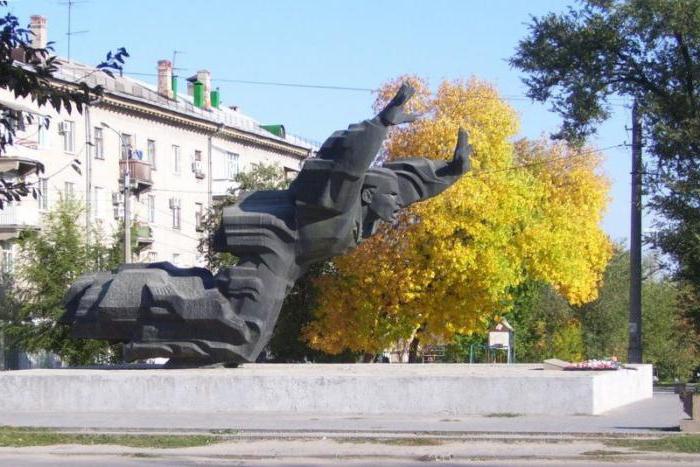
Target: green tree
x=49, y=261
x=648, y=50
x=459, y=350
x=116, y=251
x=670, y=341
x=669, y=338
x=605, y=320
x=545, y=325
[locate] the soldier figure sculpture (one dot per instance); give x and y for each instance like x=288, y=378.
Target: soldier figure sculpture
x=196, y=318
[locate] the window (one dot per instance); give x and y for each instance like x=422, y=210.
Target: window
x=126, y=143
x=8, y=260
x=66, y=127
x=151, y=207
x=231, y=165
x=42, y=137
x=176, y=259
x=197, y=167
x=43, y=193
x=290, y=174
x=99, y=143
x=199, y=217
x=176, y=159
x=151, y=152
x=15, y=120
x=98, y=202
x=175, y=208
x=69, y=190
x=152, y=256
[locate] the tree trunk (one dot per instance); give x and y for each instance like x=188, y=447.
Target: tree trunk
x=413, y=349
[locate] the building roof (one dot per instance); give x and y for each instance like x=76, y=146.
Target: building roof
x=140, y=92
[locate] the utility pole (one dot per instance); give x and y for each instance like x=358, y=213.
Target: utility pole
x=634, y=354
x=210, y=154
x=88, y=173
x=126, y=180
x=127, y=214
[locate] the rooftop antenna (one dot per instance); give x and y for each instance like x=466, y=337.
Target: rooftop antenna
x=175, y=54
x=70, y=33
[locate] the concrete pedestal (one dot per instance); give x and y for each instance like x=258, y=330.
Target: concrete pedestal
x=327, y=389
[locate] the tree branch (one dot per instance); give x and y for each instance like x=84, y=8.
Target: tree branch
x=689, y=86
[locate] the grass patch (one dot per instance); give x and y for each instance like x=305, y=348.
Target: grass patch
x=22, y=437
x=504, y=414
x=603, y=453
x=681, y=443
x=393, y=441
x=224, y=431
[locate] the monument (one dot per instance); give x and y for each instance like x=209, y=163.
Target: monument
x=196, y=318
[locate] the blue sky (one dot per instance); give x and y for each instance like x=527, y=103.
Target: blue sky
x=358, y=43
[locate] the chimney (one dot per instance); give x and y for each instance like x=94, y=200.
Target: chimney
x=165, y=78
x=204, y=77
x=38, y=27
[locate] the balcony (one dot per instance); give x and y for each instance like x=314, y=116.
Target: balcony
x=139, y=174
x=222, y=187
x=19, y=161
x=17, y=217
x=144, y=235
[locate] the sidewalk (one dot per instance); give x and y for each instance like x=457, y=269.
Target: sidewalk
x=660, y=414
x=391, y=441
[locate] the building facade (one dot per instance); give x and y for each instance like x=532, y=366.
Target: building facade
x=180, y=150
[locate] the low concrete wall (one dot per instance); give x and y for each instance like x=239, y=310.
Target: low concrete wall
x=306, y=388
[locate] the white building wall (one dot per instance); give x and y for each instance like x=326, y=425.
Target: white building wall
x=169, y=244
x=51, y=152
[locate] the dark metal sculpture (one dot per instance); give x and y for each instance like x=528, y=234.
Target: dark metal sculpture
x=195, y=318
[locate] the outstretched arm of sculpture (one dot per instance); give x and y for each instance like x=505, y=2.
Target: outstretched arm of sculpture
x=394, y=113
x=333, y=180
x=421, y=179
x=460, y=164
x=352, y=151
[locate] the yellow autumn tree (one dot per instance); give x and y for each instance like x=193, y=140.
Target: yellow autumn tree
x=525, y=212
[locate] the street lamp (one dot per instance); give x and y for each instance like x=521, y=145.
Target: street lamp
x=127, y=181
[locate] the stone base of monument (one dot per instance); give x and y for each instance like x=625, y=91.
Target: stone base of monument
x=310, y=388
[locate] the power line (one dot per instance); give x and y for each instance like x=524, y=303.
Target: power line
x=295, y=85
x=507, y=97
x=274, y=83
x=547, y=161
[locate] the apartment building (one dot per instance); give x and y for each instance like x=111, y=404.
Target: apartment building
x=181, y=151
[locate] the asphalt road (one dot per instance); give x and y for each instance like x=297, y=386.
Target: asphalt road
x=346, y=449
x=106, y=461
